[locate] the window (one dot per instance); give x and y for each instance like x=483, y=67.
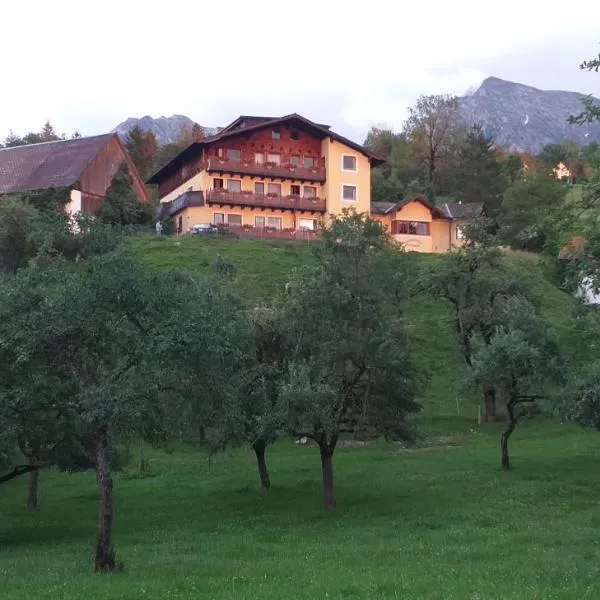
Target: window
x=274, y=222
x=234, y=155
x=274, y=189
x=460, y=234
x=349, y=163
x=234, y=185
x=309, y=162
x=259, y=222
x=295, y=160
x=235, y=220
x=218, y=218
x=217, y=184
x=307, y=224
x=295, y=136
x=259, y=158
x=274, y=159
x=349, y=193
x=309, y=191
x=276, y=134
x=295, y=190
x=410, y=228
x=259, y=187
x=220, y=152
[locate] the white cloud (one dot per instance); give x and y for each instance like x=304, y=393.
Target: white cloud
x=348, y=64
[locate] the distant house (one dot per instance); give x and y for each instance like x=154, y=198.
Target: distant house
x=83, y=167
x=562, y=172
x=424, y=227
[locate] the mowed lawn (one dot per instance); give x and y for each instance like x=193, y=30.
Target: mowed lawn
x=441, y=521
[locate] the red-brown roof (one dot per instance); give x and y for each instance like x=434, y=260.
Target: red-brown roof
x=573, y=249
x=232, y=130
x=47, y=165
x=385, y=208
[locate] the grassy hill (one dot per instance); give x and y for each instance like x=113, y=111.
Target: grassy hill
x=263, y=267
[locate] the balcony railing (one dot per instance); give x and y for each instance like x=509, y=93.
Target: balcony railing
x=223, y=196
x=282, y=171
x=184, y=201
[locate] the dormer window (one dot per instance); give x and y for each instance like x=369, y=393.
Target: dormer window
x=276, y=134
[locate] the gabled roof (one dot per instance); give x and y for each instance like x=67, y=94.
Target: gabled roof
x=47, y=165
x=257, y=123
x=244, y=119
x=459, y=210
x=382, y=208
x=386, y=208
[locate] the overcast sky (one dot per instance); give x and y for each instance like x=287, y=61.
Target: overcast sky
x=88, y=66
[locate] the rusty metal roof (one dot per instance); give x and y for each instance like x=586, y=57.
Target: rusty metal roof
x=47, y=165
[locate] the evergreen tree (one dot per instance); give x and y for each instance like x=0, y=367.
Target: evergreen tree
x=478, y=176
x=48, y=134
x=143, y=149
x=121, y=205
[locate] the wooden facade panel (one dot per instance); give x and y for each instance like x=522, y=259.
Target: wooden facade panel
x=98, y=175
x=262, y=142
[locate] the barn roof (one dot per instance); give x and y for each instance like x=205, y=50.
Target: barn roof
x=47, y=165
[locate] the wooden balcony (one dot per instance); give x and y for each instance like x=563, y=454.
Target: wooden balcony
x=186, y=200
x=265, y=170
x=225, y=197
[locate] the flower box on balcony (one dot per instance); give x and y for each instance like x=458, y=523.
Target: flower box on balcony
x=293, y=197
x=272, y=195
x=219, y=190
x=270, y=165
x=270, y=228
x=247, y=192
x=247, y=226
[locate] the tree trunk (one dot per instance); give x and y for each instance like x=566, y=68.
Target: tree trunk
x=105, y=556
x=143, y=460
x=327, y=469
x=263, y=471
x=489, y=399
x=512, y=422
x=32, y=495
x=432, y=165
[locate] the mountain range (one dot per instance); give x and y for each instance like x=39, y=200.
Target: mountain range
x=166, y=129
x=523, y=118
x=519, y=117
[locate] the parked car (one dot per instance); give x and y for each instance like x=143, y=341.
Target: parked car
x=203, y=228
